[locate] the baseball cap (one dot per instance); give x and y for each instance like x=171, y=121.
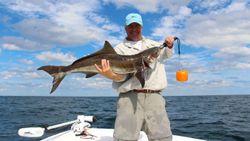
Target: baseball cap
x=133, y=18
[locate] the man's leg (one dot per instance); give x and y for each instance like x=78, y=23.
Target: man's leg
x=157, y=125
x=162, y=139
x=115, y=139
x=129, y=117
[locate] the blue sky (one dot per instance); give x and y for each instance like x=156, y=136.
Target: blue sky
x=215, y=40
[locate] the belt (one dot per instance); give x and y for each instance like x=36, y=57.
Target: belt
x=146, y=91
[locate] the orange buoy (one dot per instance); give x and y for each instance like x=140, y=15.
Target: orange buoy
x=181, y=75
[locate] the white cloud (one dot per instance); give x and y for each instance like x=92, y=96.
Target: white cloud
x=211, y=83
x=173, y=6
x=172, y=25
x=112, y=28
x=143, y=6
x=221, y=29
x=63, y=23
x=93, y=82
x=2, y=89
x=224, y=31
x=237, y=6
x=150, y=5
x=20, y=43
x=31, y=74
x=26, y=61
x=243, y=66
x=59, y=56
x=9, y=46
x=232, y=52
x=24, y=6
x=16, y=74
x=184, y=12
x=8, y=74
x=236, y=58
x=210, y=5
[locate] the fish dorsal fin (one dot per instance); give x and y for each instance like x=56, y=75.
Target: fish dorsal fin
x=107, y=49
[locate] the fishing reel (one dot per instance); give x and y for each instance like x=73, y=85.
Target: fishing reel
x=82, y=124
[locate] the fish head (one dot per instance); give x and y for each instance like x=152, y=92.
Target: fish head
x=151, y=54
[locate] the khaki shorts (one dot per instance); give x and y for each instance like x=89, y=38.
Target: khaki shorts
x=139, y=111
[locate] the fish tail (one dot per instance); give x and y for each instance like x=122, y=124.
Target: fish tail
x=56, y=72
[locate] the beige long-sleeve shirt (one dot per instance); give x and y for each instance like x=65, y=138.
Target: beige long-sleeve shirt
x=156, y=78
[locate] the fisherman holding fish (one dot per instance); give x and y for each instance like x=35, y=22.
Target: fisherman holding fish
x=140, y=108
x=136, y=67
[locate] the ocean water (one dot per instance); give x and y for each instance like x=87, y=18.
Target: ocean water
x=214, y=118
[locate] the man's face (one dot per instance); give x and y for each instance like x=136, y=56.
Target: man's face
x=134, y=31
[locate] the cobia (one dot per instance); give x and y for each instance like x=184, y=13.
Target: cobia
x=120, y=64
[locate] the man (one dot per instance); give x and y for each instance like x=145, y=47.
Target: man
x=140, y=108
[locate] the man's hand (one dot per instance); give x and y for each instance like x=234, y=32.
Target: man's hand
x=106, y=71
x=169, y=41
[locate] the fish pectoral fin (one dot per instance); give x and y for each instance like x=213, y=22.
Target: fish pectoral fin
x=88, y=75
x=141, y=77
x=146, y=64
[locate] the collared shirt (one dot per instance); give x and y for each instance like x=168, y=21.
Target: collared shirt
x=155, y=78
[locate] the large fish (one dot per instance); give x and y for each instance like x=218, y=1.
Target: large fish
x=120, y=64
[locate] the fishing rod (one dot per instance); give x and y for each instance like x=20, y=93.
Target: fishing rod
x=34, y=132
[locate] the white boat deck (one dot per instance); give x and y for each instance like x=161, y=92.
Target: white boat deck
x=103, y=135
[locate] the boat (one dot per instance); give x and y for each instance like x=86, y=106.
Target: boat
x=81, y=131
